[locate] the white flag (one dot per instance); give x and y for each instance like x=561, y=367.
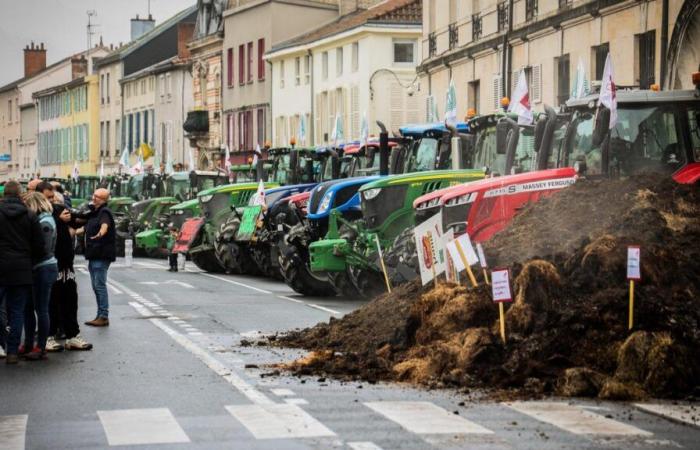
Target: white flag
x=102, y=168
x=338, y=136
x=138, y=167
x=76, y=172
x=364, y=130
x=191, y=158
x=302, y=131
x=124, y=160
x=227, y=161
x=608, y=91
x=451, y=104
x=256, y=155
x=259, y=194
x=520, y=103
x=580, y=82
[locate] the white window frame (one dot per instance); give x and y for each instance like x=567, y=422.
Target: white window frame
x=393, y=51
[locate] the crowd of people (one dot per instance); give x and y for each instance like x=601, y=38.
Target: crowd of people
x=38, y=290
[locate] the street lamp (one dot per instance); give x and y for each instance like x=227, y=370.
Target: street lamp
x=409, y=87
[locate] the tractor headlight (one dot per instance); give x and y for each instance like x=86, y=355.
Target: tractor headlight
x=325, y=203
x=369, y=194
x=206, y=198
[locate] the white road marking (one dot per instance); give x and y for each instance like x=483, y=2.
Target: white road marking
x=149, y=265
x=231, y=377
x=283, y=392
x=114, y=288
x=251, y=334
x=295, y=401
x=323, y=308
x=426, y=418
x=689, y=414
x=278, y=421
x=141, y=426
x=180, y=322
x=575, y=419
x=152, y=283
x=283, y=297
x=195, y=333
x=363, y=446
x=13, y=432
x=236, y=283
x=180, y=283
x=174, y=319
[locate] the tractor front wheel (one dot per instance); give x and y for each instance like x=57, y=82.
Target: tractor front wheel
x=368, y=283
x=260, y=253
x=232, y=256
x=297, y=275
x=401, y=259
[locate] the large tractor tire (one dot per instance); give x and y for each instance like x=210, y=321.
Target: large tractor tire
x=368, y=283
x=261, y=254
x=343, y=285
x=231, y=255
x=296, y=273
x=206, y=261
x=401, y=259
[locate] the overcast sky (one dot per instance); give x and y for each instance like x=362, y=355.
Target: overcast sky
x=62, y=26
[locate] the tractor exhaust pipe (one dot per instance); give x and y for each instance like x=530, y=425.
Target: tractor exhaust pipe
x=455, y=147
x=383, y=149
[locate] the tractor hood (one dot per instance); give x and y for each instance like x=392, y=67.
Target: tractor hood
x=337, y=194
x=185, y=205
x=422, y=177
x=689, y=174
x=419, y=130
x=274, y=195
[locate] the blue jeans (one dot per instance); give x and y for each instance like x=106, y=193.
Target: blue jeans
x=16, y=297
x=98, y=275
x=44, y=278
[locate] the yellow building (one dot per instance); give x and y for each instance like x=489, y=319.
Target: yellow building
x=69, y=129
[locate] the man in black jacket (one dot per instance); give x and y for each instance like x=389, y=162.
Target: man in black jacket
x=21, y=244
x=100, y=251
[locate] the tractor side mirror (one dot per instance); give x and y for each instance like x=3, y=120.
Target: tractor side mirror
x=601, y=127
x=502, y=128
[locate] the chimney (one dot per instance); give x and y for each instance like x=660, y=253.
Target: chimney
x=139, y=26
x=34, y=59
x=79, y=67
x=185, y=31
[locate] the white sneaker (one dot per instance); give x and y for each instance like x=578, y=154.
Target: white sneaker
x=78, y=343
x=2, y=352
x=52, y=345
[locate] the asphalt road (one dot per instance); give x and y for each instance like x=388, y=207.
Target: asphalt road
x=170, y=373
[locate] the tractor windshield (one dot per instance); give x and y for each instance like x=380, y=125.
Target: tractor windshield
x=178, y=188
x=694, y=129
x=178, y=217
x=219, y=202
x=135, y=186
x=485, y=154
x=424, y=157
x=280, y=172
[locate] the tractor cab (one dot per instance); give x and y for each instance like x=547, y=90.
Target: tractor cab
x=292, y=165
x=428, y=147
x=83, y=189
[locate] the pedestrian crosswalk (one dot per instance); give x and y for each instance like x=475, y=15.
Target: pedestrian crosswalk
x=422, y=419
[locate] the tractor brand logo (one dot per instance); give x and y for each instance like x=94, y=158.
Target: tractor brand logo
x=545, y=185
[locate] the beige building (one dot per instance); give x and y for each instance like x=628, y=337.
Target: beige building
x=482, y=46
x=251, y=29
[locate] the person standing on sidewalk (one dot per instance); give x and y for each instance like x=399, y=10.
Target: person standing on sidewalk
x=172, y=257
x=21, y=245
x=45, y=273
x=100, y=251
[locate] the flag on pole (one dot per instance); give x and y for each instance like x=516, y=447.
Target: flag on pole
x=138, y=167
x=146, y=151
x=76, y=172
x=581, y=86
x=102, y=168
x=124, y=160
x=227, y=162
x=451, y=104
x=364, y=130
x=338, y=136
x=259, y=198
x=608, y=91
x=302, y=131
x=256, y=154
x=191, y=158
x=520, y=103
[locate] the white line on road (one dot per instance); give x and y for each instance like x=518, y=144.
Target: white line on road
x=323, y=308
x=236, y=283
x=296, y=401
x=13, y=431
x=689, y=414
x=426, y=418
x=114, y=288
x=141, y=426
x=283, y=392
x=289, y=298
x=363, y=446
x=575, y=419
x=278, y=421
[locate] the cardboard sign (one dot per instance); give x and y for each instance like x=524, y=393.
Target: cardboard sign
x=633, y=263
x=500, y=285
x=431, y=253
x=449, y=262
x=187, y=234
x=249, y=222
x=482, y=256
x=466, y=245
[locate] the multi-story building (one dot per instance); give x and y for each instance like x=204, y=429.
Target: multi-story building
x=361, y=63
x=128, y=83
x=68, y=127
x=251, y=28
x=483, y=44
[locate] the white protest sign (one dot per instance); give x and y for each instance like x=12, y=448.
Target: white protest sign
x=466, y=245
x=500, y=285
x=482, y=257
x=450, y=270
x=431, y=254
x=633, y=263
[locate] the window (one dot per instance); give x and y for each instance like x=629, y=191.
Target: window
x=102, y=138
x=307, y=69
x=261, y=126
x=107, y=134
x=169, y=86
x=646, y=49
x=600, y=53
x=102, y=89
x=453, y=35
x=161, y=89
x=249, y=66
x=229, y=131
x=565, y=3
x=530, y=9
x=138, y=130
x=143, y=87
x=107, y=88
x=261, y=61
x=146, y=136
x=130, y=133
x=324, y=65
x=229, y=67
x=297, y=71
x=117, y=138
x=282, y=74
x=241, y=64
x=563, y=75
x=403, y=51
x=432, y=44
x=339, y=61
x=502, y=10
x=473, y=95
x=9, y=112
x=355, y=56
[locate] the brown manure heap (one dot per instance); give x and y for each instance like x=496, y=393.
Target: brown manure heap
x=567, y=327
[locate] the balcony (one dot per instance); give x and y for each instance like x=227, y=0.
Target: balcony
x=476, y=27
x=197, y=123
x=502, y=10
x=530, y=9
x=453, y=35
x=432, y=44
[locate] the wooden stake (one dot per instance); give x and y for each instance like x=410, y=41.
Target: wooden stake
x=381, y=260
x=466, y=263
x=502, y=320
x=486, y=276
x=631, y=314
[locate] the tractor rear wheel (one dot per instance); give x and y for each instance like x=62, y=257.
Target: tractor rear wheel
x=343, y=284
x=368, y=283
x=232, y=256
x=206, y=261
x=296, y=273
x=401, y=259
x=260, y=253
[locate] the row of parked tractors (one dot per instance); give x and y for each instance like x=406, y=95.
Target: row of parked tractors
x=331, y=213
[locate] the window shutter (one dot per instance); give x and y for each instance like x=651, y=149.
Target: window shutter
x=412, y=109
x=497, y=91
x=317, y=119
x=355, y=110
x=536, y=84
x=396, y=106
x=428, y=107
